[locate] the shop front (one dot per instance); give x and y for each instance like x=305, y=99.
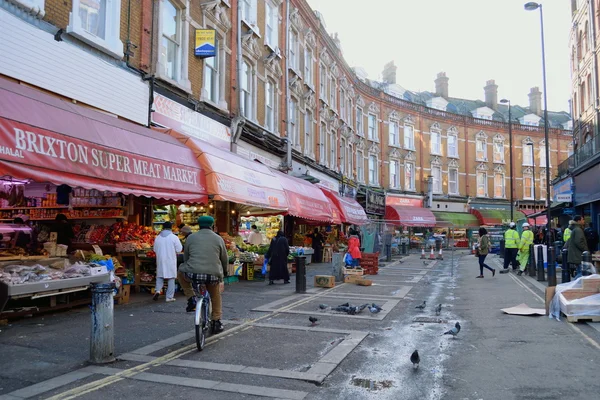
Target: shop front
x=455, y=226
x=587, y=194
x=408, y=212
x=495, y=218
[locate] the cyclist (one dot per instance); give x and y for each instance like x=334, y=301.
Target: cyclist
x=205, y=261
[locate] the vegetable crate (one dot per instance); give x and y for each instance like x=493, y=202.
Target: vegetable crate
x=372, y=270
x=353, y=271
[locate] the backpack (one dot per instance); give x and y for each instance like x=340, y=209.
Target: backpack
x=591, y=235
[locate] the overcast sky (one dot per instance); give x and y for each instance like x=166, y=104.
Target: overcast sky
x=471, y=40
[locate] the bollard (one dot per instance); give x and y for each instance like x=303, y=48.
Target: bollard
x=558, y=252
x=586, y=257
x=403, y=246
x=337, y=264
x=300, y=274
x=531, y=263
x=541, y=276
x=388, y=253
x=502, y=248
x=566, y=274
x=551, y=267
x=102, y=342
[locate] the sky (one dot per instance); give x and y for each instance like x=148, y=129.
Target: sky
x=473, y=41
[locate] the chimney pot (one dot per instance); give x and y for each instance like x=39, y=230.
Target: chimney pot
x=389, y=73
x=491, y=94
x=441, y=85
x=535, y=101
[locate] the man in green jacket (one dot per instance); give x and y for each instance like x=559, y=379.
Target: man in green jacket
x=577, y=245
x=205, y=261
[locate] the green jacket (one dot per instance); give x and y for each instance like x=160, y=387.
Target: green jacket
x=577, y=245
x=567, y=235
x=526, y=240
x=511, y=239
x=205, y=253
x=484, y=245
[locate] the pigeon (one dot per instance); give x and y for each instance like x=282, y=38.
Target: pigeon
x=378, y=308
x=313, y=321
x=323, y=306
x=422, y=306
x=374, y=310
x=415, y=359
x=454, y=331
x=425, y=263
x=438, y=309
x=344, y=309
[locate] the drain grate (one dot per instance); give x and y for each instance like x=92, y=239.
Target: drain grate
x=372, y=384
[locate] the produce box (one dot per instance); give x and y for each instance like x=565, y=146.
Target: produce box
x=591, y=284
x=324, y=281
x=352, y=278
x=353, y=271
x=123, y=295
x=364, y=282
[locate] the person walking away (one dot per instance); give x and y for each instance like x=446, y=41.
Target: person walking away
x=277, y=254
x=205, y=262
x=483, y=249
x=591, y=236
x=255, y=237
x=166, y=247
x=511, y=245
x=577, y=245
x=354, y=248
x=317, y=245
x=523, y=254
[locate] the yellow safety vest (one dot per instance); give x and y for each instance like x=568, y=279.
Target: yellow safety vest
x=526, y=240
x=567, y=235
x=511, y=239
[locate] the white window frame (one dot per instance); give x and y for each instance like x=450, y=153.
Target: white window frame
x=212, y=94
x=343, y=104
x=349, y=110
x=309, y=67
x=333, y=143
x=497, y=152
x=342, y=153
x=409, y=182
x=502, y=184
x=360, y=122
x=250, y=13
x=247, y=93
x=480, y=149
x=333, y=93
x=270, y=105
x=452, y=150
x=323, y=82
x=372, y=128
x=409, y=137
x=435, y=145
x=360, y=166
x=394, y=133
x=373, y=170
x=453, y=183
x=528, y=194
x=294, y=51
x=350, y=158
x=528, y=152
x=542, y=156
x=271, y=25
x=111, y=44
x=542, y=185
x=394, y=174
x=436, y=173
x=482, y=183
x=309, y=137
x=181, y=68
x=294, y=128
x=323, y=144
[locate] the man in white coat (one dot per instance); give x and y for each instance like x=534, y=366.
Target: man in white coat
x=166, y=247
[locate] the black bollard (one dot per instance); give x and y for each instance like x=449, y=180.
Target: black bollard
x=531, y=269
x=586, y=257
x=541, y=276
x=501, y=253
x=558, y=252
x=566, y=274
x=551, y=267
x=403, y=248
x=300, y=274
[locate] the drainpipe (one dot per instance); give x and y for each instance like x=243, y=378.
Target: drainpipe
x=288, y=161
x=237, y=123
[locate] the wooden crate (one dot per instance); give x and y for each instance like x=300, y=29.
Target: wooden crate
x=353, y=271
x=122, y=296
x=371, y=270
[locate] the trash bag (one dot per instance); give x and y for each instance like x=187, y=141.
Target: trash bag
x=264, y=267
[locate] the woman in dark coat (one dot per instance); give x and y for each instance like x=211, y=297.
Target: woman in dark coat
x=317, y=245
x=278, y=252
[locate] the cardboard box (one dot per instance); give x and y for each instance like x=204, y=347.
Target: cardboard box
x=324, y=281
x=352, y=278
x=591, y=284
x=364, y=282
x=549, y=296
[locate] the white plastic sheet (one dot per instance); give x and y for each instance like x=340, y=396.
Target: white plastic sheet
x=586, y=306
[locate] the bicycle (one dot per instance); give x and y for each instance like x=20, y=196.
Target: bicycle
x=202, y=314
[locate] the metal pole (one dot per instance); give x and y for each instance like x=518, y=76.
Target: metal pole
x=548, y=214
x=531, y=265
x=551, y=266
x=102, y=339
x=300, y=274
x=541, y=276
x=566, y=274
x=510, y=153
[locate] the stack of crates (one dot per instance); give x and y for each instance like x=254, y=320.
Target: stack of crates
x=370, y=263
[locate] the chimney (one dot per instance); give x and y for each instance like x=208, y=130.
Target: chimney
x=389, y=73
x=491, y=94
x=441, y=85
x=535, y=101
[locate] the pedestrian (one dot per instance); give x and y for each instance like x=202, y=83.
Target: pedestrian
x=591, y=236
x=166, y=247
x=354, y=248
x=64, y=231
x=483, y=249
x=511, y=245
x=577, y=245
x=524, y=243
x=278, y=252
x=185, y=231
x=255, y=237
x=317, y=244
x=567, y=232
x=205, y=262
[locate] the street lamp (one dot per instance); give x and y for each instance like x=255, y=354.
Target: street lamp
x=510, y=154
x=533, y=179
x=531, y=6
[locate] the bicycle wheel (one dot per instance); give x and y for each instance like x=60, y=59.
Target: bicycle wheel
x=201, y=324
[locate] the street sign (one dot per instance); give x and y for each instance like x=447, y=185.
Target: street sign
x=564, y=198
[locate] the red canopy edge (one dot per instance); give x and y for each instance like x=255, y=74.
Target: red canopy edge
x=410, y=216
x=305, y=200
x=350, y=211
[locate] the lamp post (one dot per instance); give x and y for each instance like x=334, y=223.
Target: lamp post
x=533, y=179
x=531, y=6
x=510, y=154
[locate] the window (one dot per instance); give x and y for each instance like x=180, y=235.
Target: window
x=272, y=25
x=359, y=122
x=211, y=78
x=372, y=127
x=170, y=40
x=308, y=67
x=323, y=82
x=349, y=111
x=498, y=152
x=309, y=141
x=528, y=186
x=527, y=154
x=542, y=157
x=342, y=155
x=481, y=150
x=246, y=92
x=350, y=161
x=409, y=137
x=343, y=104
x=248, y=9
x=452, y=146
x=394, y=133
x=270, y=106
x=360, y=165
x=394, y=174
x=543, y=185
x=453, y=180
x=373, y=176
x=98, y=23
x=333, y=94
x=436, y=173
x=322, y=142
x=481, y=184
x=409, y=175
x=499, y=182
x=333, y=151
x=436, y=142
x=293, y=116
x=294, y=51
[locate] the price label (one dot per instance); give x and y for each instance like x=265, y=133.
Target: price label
x=97, y=249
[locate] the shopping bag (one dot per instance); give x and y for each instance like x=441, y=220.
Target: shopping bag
x=348, y=260
x=264, y=267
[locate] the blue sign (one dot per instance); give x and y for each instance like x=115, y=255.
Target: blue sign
x=569, y=211
x=205, y=43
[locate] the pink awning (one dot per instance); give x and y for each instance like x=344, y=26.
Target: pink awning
x=305, y=200
x=351, y=212
x=540, y=220
x=409, y=216
x=47, y=139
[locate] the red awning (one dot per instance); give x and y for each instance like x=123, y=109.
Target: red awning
x=47, y=139
x=540, y=220
x=230, y=177
x=496, y=217
x=350, y=211
x=305, y=200
x=410, y=216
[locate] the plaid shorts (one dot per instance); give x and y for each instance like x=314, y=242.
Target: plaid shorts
x=202, y=278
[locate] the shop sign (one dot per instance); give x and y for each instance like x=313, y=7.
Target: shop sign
x=48, y=150
x=253, y=155
x=564, y=198
x=484, y=206
x=205, y=45
x=170, y=114
x=565, y=187
x=403, y=201
x=375, y=203
x=568, y=211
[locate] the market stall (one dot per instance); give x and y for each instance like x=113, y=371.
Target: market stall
x=457, y=226
x=495, y=221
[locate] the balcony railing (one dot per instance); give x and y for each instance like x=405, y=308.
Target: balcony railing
x=566, y=166
x=587, y=151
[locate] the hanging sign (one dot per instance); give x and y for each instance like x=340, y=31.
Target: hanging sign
x=205, y=43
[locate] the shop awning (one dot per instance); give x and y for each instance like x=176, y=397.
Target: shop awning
x=305, y=200
x=46, y=139
x=350, y=211
x=536, y=218
x=445, y=219
x=230, y=177
x=409, y=216
x=496, y=217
